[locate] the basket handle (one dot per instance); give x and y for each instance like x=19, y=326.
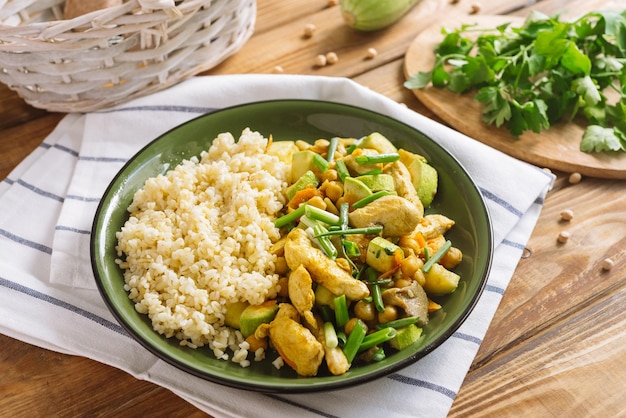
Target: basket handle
x=166, y=5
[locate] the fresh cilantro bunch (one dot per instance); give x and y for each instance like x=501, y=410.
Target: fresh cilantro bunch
x=545, y=71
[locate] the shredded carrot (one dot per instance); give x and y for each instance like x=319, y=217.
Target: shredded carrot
x=398, y=256
x=420, y=240
x=269, y=142
x=256, y=343
x=303, y=196
x=433, y=306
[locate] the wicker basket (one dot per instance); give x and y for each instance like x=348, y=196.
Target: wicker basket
x=113, y=55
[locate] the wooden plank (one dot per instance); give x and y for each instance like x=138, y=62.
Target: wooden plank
x=16, y=142
x=557, y=279
x=296, y=55
x=552, y=372
x=42, y=383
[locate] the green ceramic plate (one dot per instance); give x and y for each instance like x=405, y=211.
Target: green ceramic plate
x=458, y=198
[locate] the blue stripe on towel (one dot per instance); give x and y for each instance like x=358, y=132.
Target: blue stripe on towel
x=39, y=191
x=25, y=242
x=423, y=384
x=66, y=149
x=82, y=198
x=103, y=159
x=503, y=203
x=70, y=229
x=62, y=304
x=494, y=289
x=309, y=409
x=467, y=337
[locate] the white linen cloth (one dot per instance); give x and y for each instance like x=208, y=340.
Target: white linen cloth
x=47, y=292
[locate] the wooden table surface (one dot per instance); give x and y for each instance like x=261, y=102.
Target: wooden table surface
x=556, y=346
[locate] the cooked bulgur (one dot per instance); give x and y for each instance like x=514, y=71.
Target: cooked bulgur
x=198, y=237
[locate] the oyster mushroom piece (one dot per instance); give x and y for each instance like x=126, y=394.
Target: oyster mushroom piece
x=411, y=299
x=397, y=215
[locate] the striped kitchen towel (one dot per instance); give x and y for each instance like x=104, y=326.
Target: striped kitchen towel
x=48, y=295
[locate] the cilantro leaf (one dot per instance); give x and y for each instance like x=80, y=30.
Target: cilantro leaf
x=587, y=89
x=419, y=80
x=597, y=139
x=530, y=76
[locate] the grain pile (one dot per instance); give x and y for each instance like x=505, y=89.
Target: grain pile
x=198, y=237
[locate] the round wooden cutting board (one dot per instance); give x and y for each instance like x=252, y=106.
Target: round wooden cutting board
x=556, y=148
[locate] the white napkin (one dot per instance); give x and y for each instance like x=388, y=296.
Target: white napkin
x=48, y=295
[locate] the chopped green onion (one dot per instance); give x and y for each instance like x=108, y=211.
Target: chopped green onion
x=377, y=297
x=378, y=337
x=343, y=215
x=320, y=162
x=369, y=199
x=377, y=158
x=372, y=172
x=327, y=313
x=308, y=222
x=332, y=147
x=324, y=242
x=426, y=254
x=341, y=336
x=330, y=336
x=367, y=299
x=341, y=311
x=370, y=230
x=354, y=340
x=437, y=256
x=321, y=215
x=399, y=323
x=354, y=145
x=351, y=248
x=290, y=217
x=379, y=355
x=342, y=170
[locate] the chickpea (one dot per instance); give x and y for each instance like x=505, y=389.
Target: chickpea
x=302, y=145
x=321, y=145
x=389, y=314
x=334, y=190
x=284, y=287
x=281, y=266
x=410, y=265
x=419, y=277
x=349, y=326
x=451, y=258
x=330, y=175
x=318, y=202
x=330, y=206
x=403, y=282
x=365, y=311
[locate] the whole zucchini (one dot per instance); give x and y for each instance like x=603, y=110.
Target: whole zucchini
x=369, y=15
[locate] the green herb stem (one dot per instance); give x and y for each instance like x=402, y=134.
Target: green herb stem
x=332, y=148
x=437, y=256
x=399, y=323
x=290, y=217
x=370, y=230
x=369, y=199
x=353, y=343
x=377, y=338
x=341, y=310
x=342, y=170
x=377, y=158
